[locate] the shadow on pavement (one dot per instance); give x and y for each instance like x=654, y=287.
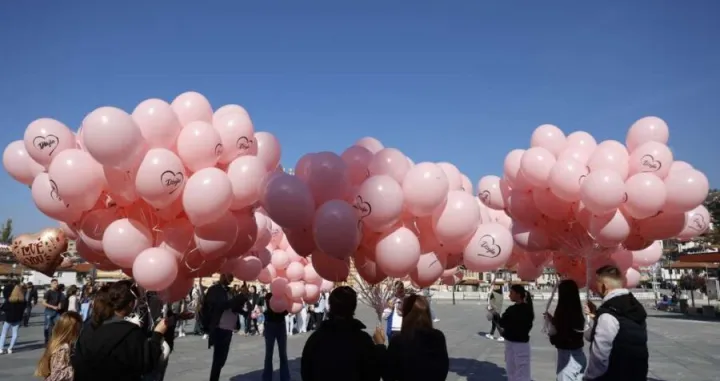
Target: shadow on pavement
x=679, y=316
x=474, y=370
x=293, y=364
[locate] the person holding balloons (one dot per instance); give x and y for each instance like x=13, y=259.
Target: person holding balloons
x=566, y=327
x=515, y=326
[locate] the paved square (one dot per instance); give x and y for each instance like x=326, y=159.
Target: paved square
x=680, y=350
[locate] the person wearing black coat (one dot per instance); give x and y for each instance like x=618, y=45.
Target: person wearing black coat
x=340, y=349
x=31, y=297
x=220, y=319
x=118, y=348
x=14, y=308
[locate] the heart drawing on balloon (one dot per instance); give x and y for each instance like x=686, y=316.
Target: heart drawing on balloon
x=243, y=143
x=698, y=223
x=172, y=181
x=583, y=177
x=362, y=206
x=219, y=149
x=55, y=194
x=649, y=163
x=490, y=248
x=49, y=142
x=484, y=196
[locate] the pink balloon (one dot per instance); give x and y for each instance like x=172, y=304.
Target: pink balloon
x=70, y=232
x=284, y=244
x=429, y=269
x=521, y=207
x=457, y=220
x=580, y=154
x=247, y=232
x=530, y=238
x=379, y=202
x=582, y=139
x=276, y=234
x=237, y=135
x=77, y=178
x=550, y=138
x=279, y=303
x=528, y=272
x=178, y=290
x=366, y=266
x=228, y=109
x=121, y=184
x=328, y=178
x=199, y=146
x=398, y=252
x=678, y=165
x=124, y=239
x=312, y=293
x=453, y=175
x=295, y=290
x=493, y=191
x=191, y=106
x=176, y=237
x=289, y=202
x=330, y=268
x=216, y=238
x=647, y=129
x=466, y=184
x=302, y=167
x=425, y=188
x=551, y=205
x=357, y=159
x=632, y=278
x=512, y=166
x=207, y=196
x=169, y=212
x=371, y=144
x=48, y=201
x=295, y=271
x=268, y=149
x=155, y=269
x=158, y=123
x=248, y=268
x=646, y=195
x=566, y=178
x=636, y=241
x=611, y=155
x=609, y=229
x=311, y=276
x=267, y=274
x=113, y=138
x=391, y=162
x=161, y=177
x=686, y=189
x=264, y=230
x=698, y=222
x=622, y=258
x=301, y=240
x=46, y=138
x=246, y=174
x=536, y=164
x=336, y=229
x=93, y=227
x=280, y=260
x=19, y=164
x=651, y=157
x=278, y=286
x=602, y=191
x=326, y=285
x=665, y=225
x=489, y=248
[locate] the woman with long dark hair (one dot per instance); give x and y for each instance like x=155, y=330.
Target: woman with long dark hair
x=566, y=327
x=418, y=351
x=515, y=325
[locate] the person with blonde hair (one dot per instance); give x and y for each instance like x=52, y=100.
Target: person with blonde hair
x=55, y=364
x=14, y=309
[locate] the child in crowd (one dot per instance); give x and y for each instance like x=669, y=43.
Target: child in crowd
x=55, y=364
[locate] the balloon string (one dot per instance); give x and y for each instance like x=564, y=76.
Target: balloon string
x=552, y=297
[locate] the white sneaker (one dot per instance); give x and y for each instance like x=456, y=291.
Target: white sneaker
x=205, y=337
x=9, y=351
x=489, y=336
x=436, y=320
x=501, y=339
x=2, y=352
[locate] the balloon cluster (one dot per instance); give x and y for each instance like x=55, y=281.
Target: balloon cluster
x=581, y=205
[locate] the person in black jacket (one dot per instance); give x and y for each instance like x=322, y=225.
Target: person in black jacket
x=419, y=351
x=618, y=338
x=515, y=325
x=220, y=319
x=275, y=330
x=118, y=349
x=357, y=361
x=31, y=297
x=566, y=327
x=14, y=308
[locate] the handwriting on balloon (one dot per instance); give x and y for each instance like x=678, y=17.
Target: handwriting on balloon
x=243, y=143
x=49, y=142
x=41, y=251
x=650, y=164
x=490, y=248
x=698, y=223
x=172, y=181
x=485, y=196
x=219, y=149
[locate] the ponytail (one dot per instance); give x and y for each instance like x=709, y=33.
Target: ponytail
x=529, y=302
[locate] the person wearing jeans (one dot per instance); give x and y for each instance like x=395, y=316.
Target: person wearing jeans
x=275, y=330
x=52, y=301
x=14, y=309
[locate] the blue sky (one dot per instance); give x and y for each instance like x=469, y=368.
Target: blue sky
x=463, y=82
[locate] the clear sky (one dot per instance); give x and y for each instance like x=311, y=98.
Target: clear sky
x=458, y=81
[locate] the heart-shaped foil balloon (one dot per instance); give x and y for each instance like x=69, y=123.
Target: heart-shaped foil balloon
x=42, y=251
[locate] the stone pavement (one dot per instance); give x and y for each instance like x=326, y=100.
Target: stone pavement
x=680, y=350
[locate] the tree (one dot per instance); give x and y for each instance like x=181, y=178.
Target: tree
x=6, y=231
x=712, y=203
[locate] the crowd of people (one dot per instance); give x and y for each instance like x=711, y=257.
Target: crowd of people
x=119, y=332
